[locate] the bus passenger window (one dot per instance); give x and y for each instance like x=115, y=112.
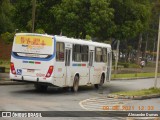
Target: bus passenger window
x=104, y=54
x=84, y=53
x=98, y=54
x=77, y=53
x=59, y=51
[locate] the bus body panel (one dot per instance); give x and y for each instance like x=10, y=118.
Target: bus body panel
x=99, y=68
x=60, y=71
x=82, y=70
x=32, y=55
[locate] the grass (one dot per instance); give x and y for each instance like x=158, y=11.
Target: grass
x=133, y=75
x=6, y=64
x=142, y=92
x=132, y=65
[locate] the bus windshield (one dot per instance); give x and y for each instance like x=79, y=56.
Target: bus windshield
x=33, y=46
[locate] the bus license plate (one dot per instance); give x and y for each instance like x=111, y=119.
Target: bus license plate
x=29, y=70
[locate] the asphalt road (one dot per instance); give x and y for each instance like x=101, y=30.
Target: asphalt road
x=25, y=98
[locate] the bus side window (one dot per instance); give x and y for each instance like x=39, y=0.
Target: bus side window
x=98, y=54
x=104, y=54
x=84, y=53
x=60, y=51
x=77, y=53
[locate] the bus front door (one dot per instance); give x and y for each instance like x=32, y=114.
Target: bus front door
x=67, y=65
x=91, y=67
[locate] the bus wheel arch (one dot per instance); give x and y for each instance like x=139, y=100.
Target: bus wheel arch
x=101, y=82
x=75, y=83
x=103, y=75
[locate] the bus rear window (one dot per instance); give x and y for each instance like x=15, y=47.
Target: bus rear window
x=31, y=55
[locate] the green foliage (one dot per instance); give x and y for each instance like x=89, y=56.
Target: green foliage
x=134, y=75
x=88, y=37
x=29, y=26
x=154, y=23
x=150, y=91
x=6, y=9
x=101, y=19
x=131, y=17
x=7, y=37
x=81, y=16
x=6, y=64
x=125, y=65
x=133, y=65
x=22, y=14
x=45, y=18
x=40, y=31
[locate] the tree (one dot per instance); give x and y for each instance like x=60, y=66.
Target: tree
x=6, y=23
x=79, y=18
x=33, y=14
x=45, y=18
x=131, y=18
x=153, y=28
x=23, y=15
x=144, y=9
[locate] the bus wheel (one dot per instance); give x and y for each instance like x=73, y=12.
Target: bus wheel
x=75, y=84
x=41, y=88
x=97, y=86
x=66, y=88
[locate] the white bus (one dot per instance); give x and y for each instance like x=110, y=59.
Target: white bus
x=60, y=61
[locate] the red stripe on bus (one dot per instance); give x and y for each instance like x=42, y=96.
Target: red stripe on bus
x=37, y=62
x=83, y=64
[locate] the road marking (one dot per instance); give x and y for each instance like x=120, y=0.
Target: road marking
x=98, y=103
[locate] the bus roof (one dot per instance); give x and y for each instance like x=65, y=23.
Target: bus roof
x=69, y=40
x=80, y=41
x=34, y=34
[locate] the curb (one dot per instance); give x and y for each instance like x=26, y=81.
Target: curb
x=134, y=97
x=5, y=80
x=9, y=82
x=132, y=78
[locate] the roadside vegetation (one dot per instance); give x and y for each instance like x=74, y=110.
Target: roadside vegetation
x=6, y=64
x=132, y=70
x=143, y=92
x=133, y=75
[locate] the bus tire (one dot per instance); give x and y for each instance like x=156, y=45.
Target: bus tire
x=75, y=84
x=66, y=88
x=41, y=88
x=97, y=86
